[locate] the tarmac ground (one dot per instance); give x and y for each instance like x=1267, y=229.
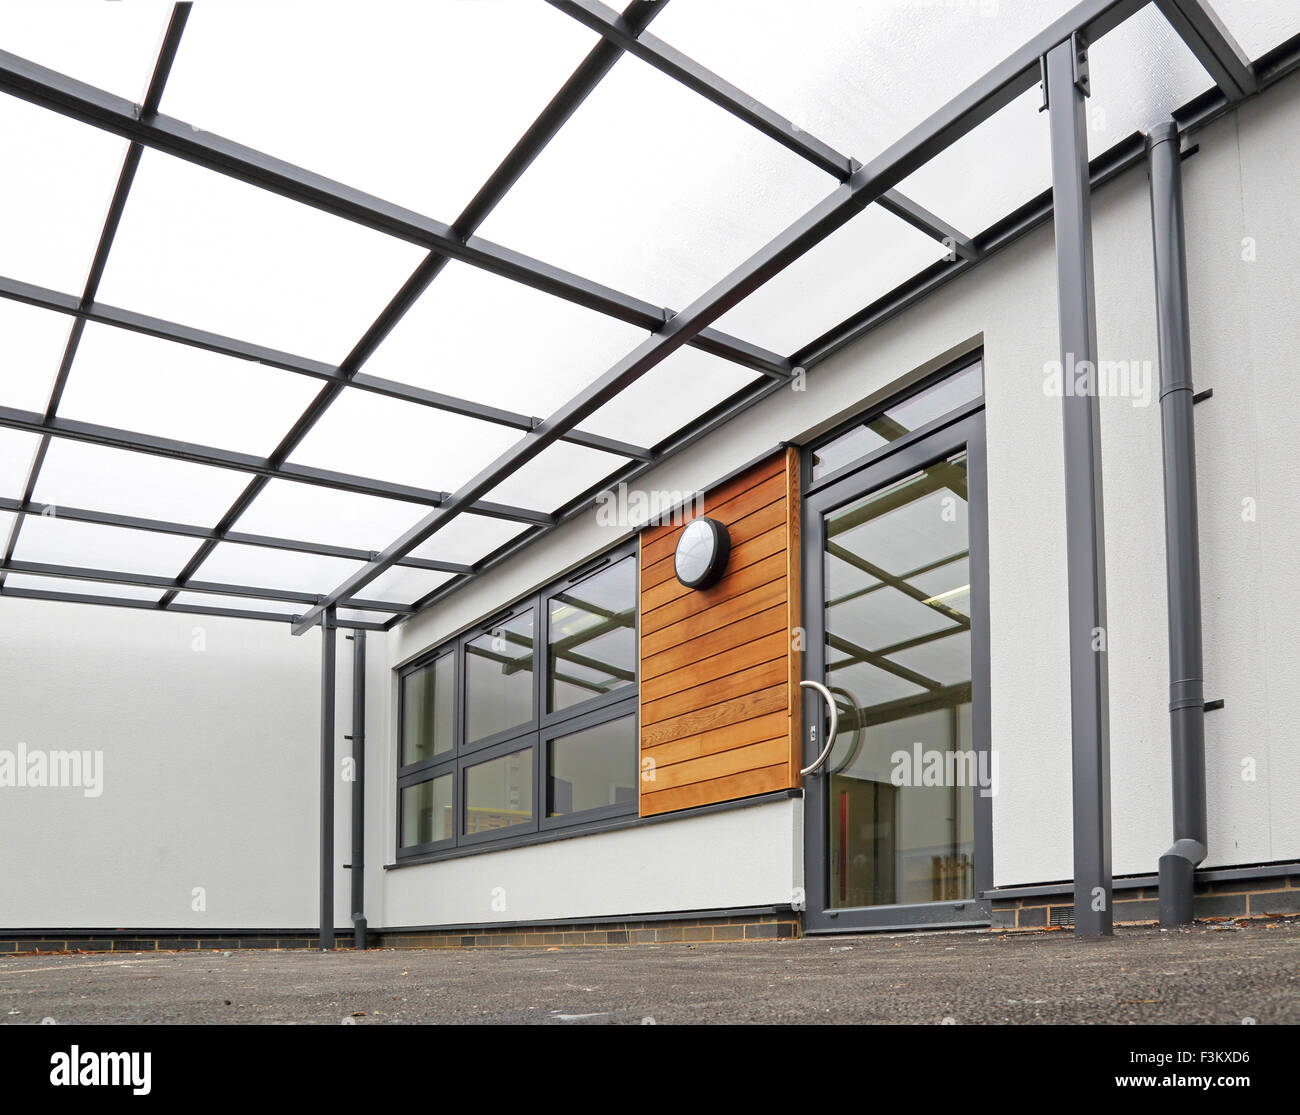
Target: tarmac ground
x=1226, y=973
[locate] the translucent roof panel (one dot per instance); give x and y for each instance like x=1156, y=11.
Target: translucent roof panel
x=126, y=483
x=858, y=74
x=72, y=36
x=557, y=474
x=312, y=514
x=90, y=588
x=495, y=341
x=375, y=436
x=434, y=97
x=653, y=190
x=17, y=451
x=1259, y=25
x=992, y=170
x=31, y=346
x=253, y=603
x=131, y=381
x=468, y=538
x=47, y=538
x=52, y=213
x=205, y=250
x=1140, y=73
x=670, y=395
x=851, y=268
x=405, y=586
x=286, y=570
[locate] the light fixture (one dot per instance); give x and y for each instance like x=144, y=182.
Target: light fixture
x=702, y=552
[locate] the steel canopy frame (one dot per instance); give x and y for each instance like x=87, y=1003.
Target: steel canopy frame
x=998, y=88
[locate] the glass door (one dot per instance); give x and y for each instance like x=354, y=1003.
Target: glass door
x=898, y=814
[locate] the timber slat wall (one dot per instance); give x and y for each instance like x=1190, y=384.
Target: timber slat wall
x=719, y=671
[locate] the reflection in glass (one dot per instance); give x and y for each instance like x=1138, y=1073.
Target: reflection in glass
x=499, y=679
x=591, y=644
x=499, y=793
x=902, y=776
x=428, y=710
x=592, y=768
x=426, y=812
x=900, y=419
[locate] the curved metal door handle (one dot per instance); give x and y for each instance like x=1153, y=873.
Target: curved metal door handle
x=831, y=732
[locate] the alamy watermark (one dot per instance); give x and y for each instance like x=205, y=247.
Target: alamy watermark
x=24, y=769
x=923, y=766
x=633, y=507
x=1108, y=379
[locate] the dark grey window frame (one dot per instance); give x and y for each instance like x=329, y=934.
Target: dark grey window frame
x=921, y=447
x=538, y=733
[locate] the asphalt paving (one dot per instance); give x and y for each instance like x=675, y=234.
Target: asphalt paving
x=1226, y=973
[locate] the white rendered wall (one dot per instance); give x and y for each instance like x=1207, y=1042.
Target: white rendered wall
x=211, y=769
x=212, y=757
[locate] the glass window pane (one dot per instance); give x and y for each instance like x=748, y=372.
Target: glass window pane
x=651, y=189
x=52, y=213
x=499, y=679
x=898, y=420
x=427, y=812
x=434, y=97
x=592, y=768
x=482, y=337
x=428, y=710
x=591, y=642
x=128, y=483
x=499, y=793
x=134, y=382
x=206, y=250
x=31, y=346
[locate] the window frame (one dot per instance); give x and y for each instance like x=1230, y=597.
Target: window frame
x=539, y=732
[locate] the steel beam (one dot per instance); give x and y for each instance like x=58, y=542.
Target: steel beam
x=183, y=609
x=88, y=105
x=328, y=652
x=1065, y=69
x=112, y=437
x=358, y=738
x=1205, y=35
x=153, y=98
x=668, y=60
x=994, y=91
x=214, y=588
x=1182, y=541
x=188, y=530
x=521, y=156
x=87, y=310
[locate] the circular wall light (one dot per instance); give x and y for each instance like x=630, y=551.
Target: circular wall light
x=702, y=552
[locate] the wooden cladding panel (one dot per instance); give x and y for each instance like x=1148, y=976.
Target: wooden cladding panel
x=719, y=668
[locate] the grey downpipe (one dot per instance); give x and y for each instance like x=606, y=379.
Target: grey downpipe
x=1182, y=546
x=359, y=789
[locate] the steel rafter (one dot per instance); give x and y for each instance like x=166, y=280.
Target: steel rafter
x=125, y=179
x=575, y=91
x=668, y=60
x=998, y=88
x=1200, y=28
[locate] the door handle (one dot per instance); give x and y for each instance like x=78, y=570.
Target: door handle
x=831, y=732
